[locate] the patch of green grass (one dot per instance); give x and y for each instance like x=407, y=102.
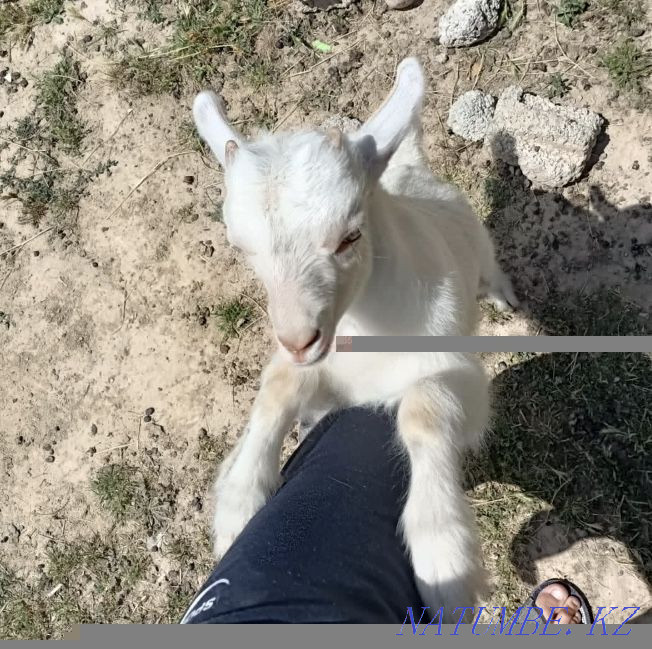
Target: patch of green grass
x=99, y=556
x=23, y=613
x=26, y=129
x=55, y=191
x=181, y=548
x=152, y=11
x=98, y=576
x=497, y=192
x=118, y=489
x=260, y=73
x=53, y=129
x=487, y=194
x=571, y=445
x=208, y=25
x=107, y=31
x=203, y=30
x=85, y=581
x=628, y=65
x=147, y=73
x=569, y=10
x=557, y=86
x=232, y=315
x=21, y=19
x=37, y=194
x=603, y=313
x=494, y=315
x=57, y=99
x=129, y=494
x=193, y=554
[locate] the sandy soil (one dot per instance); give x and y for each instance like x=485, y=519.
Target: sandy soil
x=111, y=314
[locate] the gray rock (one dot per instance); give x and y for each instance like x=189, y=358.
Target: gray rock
x=344, y=124
x=400, y=4
x=550, y=143
x=470, y=115
x=468, y=22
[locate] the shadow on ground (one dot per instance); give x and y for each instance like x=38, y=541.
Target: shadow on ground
x=572, y=436
x=581, y=267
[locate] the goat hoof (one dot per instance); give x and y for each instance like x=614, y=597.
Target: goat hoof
x=236, y=505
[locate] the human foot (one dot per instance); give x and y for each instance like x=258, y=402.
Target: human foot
x=557, y=596
x=569, y=603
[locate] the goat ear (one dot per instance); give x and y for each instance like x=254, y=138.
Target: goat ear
x=399, y=113
x=214, y=128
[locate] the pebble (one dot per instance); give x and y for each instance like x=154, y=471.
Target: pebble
x=149, y=412
x=467, y=22
x=635, y=165
x=147, y=419
x=49, y=459
x=470, y=115
x=197, y=504
x=88, y=38
x=189, y=180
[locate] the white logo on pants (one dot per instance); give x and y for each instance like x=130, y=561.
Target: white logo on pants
x=192, y=613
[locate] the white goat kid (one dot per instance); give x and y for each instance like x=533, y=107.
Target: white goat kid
x=353, y=235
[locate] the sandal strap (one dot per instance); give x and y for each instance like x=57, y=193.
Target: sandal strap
x=585, y=608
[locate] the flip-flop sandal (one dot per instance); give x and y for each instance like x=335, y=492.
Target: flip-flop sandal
x=585, y=608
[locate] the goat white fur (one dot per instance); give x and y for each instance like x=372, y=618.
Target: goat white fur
x=353, y=235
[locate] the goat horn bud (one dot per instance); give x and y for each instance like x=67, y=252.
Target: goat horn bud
x=230, y=149
x=335, y=137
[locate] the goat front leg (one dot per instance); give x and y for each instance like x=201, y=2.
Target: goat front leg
x=437, y=418
x=250, y=474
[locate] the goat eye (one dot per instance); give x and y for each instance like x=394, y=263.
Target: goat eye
x=351, y=238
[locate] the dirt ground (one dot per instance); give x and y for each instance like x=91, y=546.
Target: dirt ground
x=132, y=337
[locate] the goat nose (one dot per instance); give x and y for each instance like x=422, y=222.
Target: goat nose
x=301, y=344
